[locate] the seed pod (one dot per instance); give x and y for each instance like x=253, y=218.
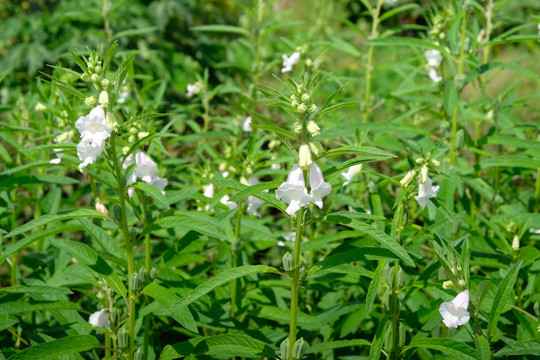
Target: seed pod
x=133, y=235
x=143, y=275
x=388, y=338
x=299, y=349
x=284, y=348
x=401, y=335
x=288, y=262
x=134, y=282
x=139, y=354
x=123, y=338
x=460, y=140
x=117, y=213
x=153, y=273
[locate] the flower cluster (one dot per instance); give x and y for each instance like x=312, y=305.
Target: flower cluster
x=145, y=169
x=94, y=130
x=426, y=190
x=294, y=191
x=434, y=59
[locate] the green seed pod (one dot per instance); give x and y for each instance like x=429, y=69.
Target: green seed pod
x=117, y=213
x=386, y=274
x=133, y=235
x=401, y=335
x=134, y=282
x=288, y=262
x=460, y=140
x=143, y=275
x=139, y=354
x=123, y=181
x=299, y=349
x=388, y=338
x=284, y=348
x=153, y=273
x=149, y=216
x=123, y=338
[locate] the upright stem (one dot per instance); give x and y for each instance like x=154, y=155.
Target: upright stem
x=295, y=279
x=394, y=301
x=147, y=265
x=374, y=25
x=489, y=13
x=537, y=190
x=234, y=253
x=461, y=63
x=127, y=243
x=258, y=41
x=106, y=13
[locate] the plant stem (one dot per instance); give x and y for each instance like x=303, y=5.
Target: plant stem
x=127, y=243
x=295, y=279
x=106, y=13
x=489, y=13
x=374, y=25
x=234, y=247
x=394, y=301
x=461, y=63
x=147, y=265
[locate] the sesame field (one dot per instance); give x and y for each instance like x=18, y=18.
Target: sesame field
x=269, y=179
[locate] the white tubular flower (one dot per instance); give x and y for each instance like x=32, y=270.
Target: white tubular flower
x=433, y=58
x=313, y=128
x=208, y=191
x=100, y=319
x=425, y=192
x=193, y=89
x=93, y=127
x=351, y=172
x=304, y=157
x=294, y=191
x=289, y=62
x=88, y=152
x=104, y=99
x=455, y=313
x=145, y=169
x=408, y=178
x=254, y=203
x=319, y=188
x=434, y=76
x=246, y=125
x=225, y=201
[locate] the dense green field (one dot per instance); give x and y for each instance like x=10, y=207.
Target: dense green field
x=206, y=179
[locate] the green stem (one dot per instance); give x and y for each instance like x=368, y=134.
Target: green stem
x=367, y=96
x=127, y=243
x=461, y=63
x=107, y=346
x=295, y=279
x=147, y=265
x=106, y=13
x=394, y=301
x=489, y=13
x=537, y=190
x=234, y=247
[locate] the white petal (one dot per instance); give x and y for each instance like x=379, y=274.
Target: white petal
x=296, y=176
x=462, y=300
x=315, y=176
x=293, y=207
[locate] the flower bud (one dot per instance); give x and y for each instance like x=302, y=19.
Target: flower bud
x=408, y=178
x=460, y=140
x=143, y=275
x=105, y=83
x=448, y=285
x=294, y=103
x=101, y=208
x=117, y=213
x=111, y=122
x=423, y=174
x=297, y=127
x=515, y=242
x=462, y=283
x=134, y=282
x=312, y=108
x=104, y=99
x=284, y=348
x=153, y=273
x=302, y=108
x=40, y=107
x=304, y=155
x=97, y=69
x=142, y=134
x=123, y=338
x=293, y=98
x=302, y=272
x=299, y=349
x=139, y=354
x=94, y=78
x=305, y=98
x=316, y=148
x=313, y=128
x=435, y=162
x=85, y=77
x=288, y=262
x=91, y=100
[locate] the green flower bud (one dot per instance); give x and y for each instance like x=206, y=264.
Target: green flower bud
x=313, y=128
x=284, y=348
x=297, y=127
x=143, y=275
x=288, y=262
x=302, y=108
x=123, y=338
x=316, y=148
x=305, y=98
x=117, y=213
x=104, y=99
x=97, y=69
x=105, y=83
x=299, y=349
x=423, y=174
x=304, y=157
x=94, y=78
x=153, y=273
x=312, y=108
x=302, y=272
x=460, y=140
x=139, y=354
x=408, y=178
x=85, y=77
x=134, y=282
x=91, y=100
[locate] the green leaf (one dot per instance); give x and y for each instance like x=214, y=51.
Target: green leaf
x=342, y=45
x=450, y=97
x=219, y=280
x=482, y=347
x=511, y=161
x=531, y=347
x=56, y=348
x=357, y=149
x=331, y=345
x=7, y=321
x=501, y=298
x=374, y=286
x=378, y=340
x=450, y=346
x=397, y=10
x=403, y=41
x=154, y=193
x=21, y=307
x=167, y=298
x=255, y=189
x=191, y=223
x=374, y=233
x=36, y=289
x=132, y=32
x=356, y=161
x=87, y=256
x=46, y=219
x=221, y=29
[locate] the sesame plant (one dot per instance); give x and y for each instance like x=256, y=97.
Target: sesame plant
x=354, y=179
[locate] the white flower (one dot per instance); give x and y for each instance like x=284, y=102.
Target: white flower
x=93, y=127
x=288, y=237
x=88, y=152
x=289, y=62
x=455, y=313
x=304, y=157
x=351, y=172
x=433, y=57
x=246, y=125
x=193, y=89
x=434, y=76
x=100, y=319
x=225, y=201
x=208, y=191
x=101, y=208
x=275, y=166
x=391, y=2
x=294, y=191
x=319, y=188
x=254, y=203
x=425, y=192
x=313, y=129
x=145, y=169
